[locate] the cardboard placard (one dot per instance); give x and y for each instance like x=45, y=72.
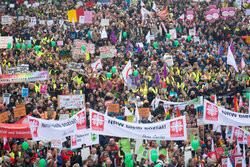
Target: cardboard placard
x=130, y=118
x=192, y=133
x=19, y=111
x=113, y=108
x=143, y=112
x=4, y=117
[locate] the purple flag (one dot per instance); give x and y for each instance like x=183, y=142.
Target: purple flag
x=137, y=79
x=220, y=50
x=157, y=81
x=127, y=46
x=139, y=49
x=232, y=47
x=165, y=72
x=112, y=36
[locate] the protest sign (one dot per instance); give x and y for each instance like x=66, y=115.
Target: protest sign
x=58, y=129
x=6, y=98
x=138, y=143
x=174, y=129
x=64, y=55
x=72, y=15
x=20, y=18
x=75, y=66
x=247, y=12
x=4, y=117
x=25, y=92
x=79, y=12
x=25, y=77
x=142, y=153
x=105, y=22
x=63, y=116
x=81, y=19
x=85, y=152
x=89, y=4
x=248, y=141
x=215, y=14
x=192, y=134
x=225, y=12
x=108, y=51
x=209, y=16
x=4, y=40
x=90, y=48
x=173, y=33
x=219, y=152
x=97, y=65
x=212, y=7
x=56, y=143
x=43, y=89
x=124, y=144
x=169, y=60
x=231, y=11
x=113, y=108
x=130, y=118
x=224, y=161
x=190, y=15
x=23, y=68
x=33, y=21
x=238, y=161
x=143, y=112
x=187, y=156
x=42, y=22
x=91, y=139
x=77, y=140
x=103, y=2
x=6, y=20
x=71, y=101
x=59, y=43
x=15, y=131
x=192, y=32
x=19, y=111
x=214, y=114
x=88, y=17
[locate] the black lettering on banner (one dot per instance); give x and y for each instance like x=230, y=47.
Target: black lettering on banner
x=229, y=114
x=115, y=123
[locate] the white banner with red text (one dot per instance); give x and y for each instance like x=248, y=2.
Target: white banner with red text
x=214, y=114
x=50, y=129
x=174, y=129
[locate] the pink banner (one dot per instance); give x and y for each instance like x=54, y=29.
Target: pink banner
x=231, y=11
x=209, y=16
x=228, y=12
x=212, y=7
x=190, y=15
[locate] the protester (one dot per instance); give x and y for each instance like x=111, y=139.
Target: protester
x=191, y=65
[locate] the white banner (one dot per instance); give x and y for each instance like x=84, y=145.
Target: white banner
x=174, y=129
x=50, y=129
x=181, y=105
x=214, y=114
x=71, y=101
x=77, y=140
x=240, y=135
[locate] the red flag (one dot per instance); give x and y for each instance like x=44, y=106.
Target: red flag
x=6, y=144
x=235, y=104
x=178, y=112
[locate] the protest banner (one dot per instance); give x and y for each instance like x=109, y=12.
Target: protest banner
x=212, y=7
x=181, y=105
x=124, y=144
x=56, y=143
x=231, y=12
x=15, y=131
x=19, y=111
x=104, y=22
x=214, y=114
x=143, y=112
x=88, y=17
x=174, y=129
x=6, y=20
x=173, y=33
x=4, y=41
x=238, y=134
x=25, y=92
x=24, y=77
x=108, y=51
x=23, y=68
x=247, y=12
x=4, y=117
x=43, y=89
x=71, y=101
x=190, y=15
x=58, y=129
x=113, y=108
x=64, y=55
x=215, y=14
x=90, y=48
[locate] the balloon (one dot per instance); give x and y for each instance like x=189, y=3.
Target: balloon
x=18, y=45
x=195, y=145
x=247, y=96
x=108, y=75
x=153, y=151
x=245, y=5
x=124, y=34
x=128, y=157
x=155, y=45
x=53, y=43
x=168, y=36
x=83, y=48
x=23, y=46
x=176, y=43
x=189, y=38
x=25, y=146
x=154, y=157
x=131, y=163
x=8, y=45
x=36, y=48
x=135, y=73
x=113, y=69
x=157, y=165
x=29, y=45
x=42, y=162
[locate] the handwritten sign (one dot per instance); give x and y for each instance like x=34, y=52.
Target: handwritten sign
x=130, y=118
x=4, y=117
x=71, y=101
x=105, y=22
x=56, y=143
x=6, y=20
x=81, y=19
x=192, y=133
x=90, y=48
x=19, y=111
x=108, y=51
x=143, y=112
x=113, y=107
x=4, y=41
x=88, y=17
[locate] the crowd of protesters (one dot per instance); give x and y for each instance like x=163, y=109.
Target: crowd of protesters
x=199, y=69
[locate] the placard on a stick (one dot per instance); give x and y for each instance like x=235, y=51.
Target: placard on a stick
x=143, y=112
x=113, y=107
x=19, y=111
x=4, y=117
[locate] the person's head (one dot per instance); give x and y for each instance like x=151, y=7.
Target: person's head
x=67, y=162
x=175, y=159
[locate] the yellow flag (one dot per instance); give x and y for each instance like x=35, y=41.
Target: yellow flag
x=72, y=14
